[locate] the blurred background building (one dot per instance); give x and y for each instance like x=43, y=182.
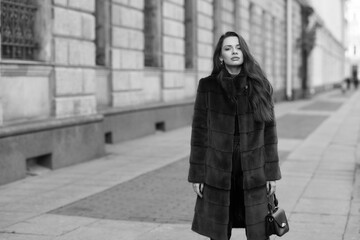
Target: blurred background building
x=352, y=40
x=76, y=74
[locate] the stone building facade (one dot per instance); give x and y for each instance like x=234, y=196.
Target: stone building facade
x=327, y=59
x=352, y=41
x=104, y=71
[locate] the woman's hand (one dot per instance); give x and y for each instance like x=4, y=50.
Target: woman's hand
x=198, y=189
x=270, y=187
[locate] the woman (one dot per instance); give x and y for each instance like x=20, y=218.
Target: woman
x=233, y=161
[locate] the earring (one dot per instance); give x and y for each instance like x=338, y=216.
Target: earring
x=222, y=62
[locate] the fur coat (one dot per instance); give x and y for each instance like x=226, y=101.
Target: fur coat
x=211, y=153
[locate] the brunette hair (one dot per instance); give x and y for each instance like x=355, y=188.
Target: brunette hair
x=260, y=89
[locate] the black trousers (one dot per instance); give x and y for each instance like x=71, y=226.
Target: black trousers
x=237, y=207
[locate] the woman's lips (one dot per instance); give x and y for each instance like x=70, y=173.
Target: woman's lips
x=235, y=58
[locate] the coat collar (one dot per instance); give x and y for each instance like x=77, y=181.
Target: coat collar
x=233, y=86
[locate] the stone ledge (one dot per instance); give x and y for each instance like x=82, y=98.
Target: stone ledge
x=146, y=107
x=48, y=124
x=15, y=68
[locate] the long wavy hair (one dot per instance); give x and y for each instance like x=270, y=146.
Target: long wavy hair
x=260, y=89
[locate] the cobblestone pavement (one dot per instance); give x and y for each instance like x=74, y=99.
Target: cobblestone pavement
x=138, y=195
x=161, y=196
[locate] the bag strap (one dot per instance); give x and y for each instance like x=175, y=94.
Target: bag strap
x=276, y=203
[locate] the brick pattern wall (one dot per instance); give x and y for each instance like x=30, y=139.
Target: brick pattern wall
x=256, y=32
x=327, y=52
x=226, y=17
x=264, y=30
x=173, y=38
x=127, y=52
x=336, y=58
x=260, y=22
x=205, y=36
x=244, y=19
x=74, y=57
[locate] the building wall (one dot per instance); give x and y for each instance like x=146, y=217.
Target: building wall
x=264, y=29
x=25, y=93
x=26, y=88
x=329, y=47
x=334, y=21
x=297, y=69
x=48, y=104
x=205, y=36
x=352, y=36
x=327, y=52
x=127, y=52
x=173, y=50
x=137, y=84
x=74, y=58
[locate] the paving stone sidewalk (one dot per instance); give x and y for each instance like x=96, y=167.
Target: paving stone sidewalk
x=132, y=194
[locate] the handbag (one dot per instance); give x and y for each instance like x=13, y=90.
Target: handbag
x=276, y=221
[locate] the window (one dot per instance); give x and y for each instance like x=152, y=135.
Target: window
x=264, y=40
x=153, y=33
x=190, y=33
x=251, y=24
x=18, y=29
x=273, y=48
x=102, y=13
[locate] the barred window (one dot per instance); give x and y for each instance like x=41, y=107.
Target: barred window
x=18, y=29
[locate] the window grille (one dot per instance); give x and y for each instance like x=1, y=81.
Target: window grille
x=17, y=29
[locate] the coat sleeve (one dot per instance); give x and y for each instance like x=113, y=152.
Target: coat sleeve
x=272, y=168
x=199, y=136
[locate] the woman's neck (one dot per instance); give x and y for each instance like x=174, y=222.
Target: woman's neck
x=233, y=70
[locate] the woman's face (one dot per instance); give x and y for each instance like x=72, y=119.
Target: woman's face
x=231, y=53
